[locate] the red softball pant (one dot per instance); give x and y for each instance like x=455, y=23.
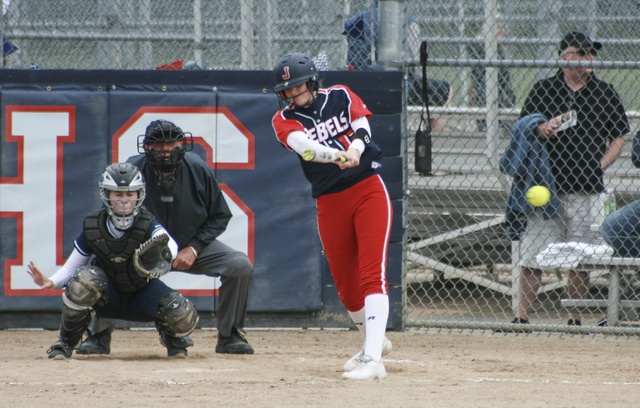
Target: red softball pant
x=354, y=227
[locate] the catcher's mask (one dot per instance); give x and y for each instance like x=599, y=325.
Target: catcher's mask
x=122, y=177
x=164, y=162
x=293, y=70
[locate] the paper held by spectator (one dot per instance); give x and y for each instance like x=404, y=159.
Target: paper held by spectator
x=566, y=120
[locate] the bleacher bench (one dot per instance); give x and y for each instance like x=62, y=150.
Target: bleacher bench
x=617, y=266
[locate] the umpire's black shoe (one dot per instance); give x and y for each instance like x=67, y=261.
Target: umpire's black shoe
x=236, y=343
x=59, y=351
x=99, y=343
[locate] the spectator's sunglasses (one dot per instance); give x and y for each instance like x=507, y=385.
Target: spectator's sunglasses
x=582, y=52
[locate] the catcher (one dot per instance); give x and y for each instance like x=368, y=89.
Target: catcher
x=128, y=250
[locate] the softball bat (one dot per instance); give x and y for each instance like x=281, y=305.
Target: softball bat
x=309, y=155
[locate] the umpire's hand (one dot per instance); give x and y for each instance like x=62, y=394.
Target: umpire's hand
x=185, y=259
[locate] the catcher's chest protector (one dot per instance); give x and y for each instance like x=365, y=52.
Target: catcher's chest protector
x=115, y=255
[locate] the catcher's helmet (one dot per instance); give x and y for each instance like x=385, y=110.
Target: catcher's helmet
x=293, y=70
x=122, y=177
x=163, y=131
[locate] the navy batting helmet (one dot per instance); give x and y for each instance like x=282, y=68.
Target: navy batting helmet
x=293, y=70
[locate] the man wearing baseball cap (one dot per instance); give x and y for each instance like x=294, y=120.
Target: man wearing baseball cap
x=580, y=41
x=578, y=155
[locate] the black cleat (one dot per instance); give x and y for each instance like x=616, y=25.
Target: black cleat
x=176, y=346
x=59, y=351
x=99, y=343
x=236, y=343
x=176, y=352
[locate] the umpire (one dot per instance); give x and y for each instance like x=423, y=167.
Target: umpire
x=183, y=194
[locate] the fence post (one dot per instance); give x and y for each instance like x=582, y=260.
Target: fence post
x=390, y=48
x=515, y=274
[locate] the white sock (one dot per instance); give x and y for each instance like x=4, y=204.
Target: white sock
x=359, y=318
x=377, y=312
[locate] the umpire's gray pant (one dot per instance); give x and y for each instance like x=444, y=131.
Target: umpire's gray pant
x=235, y=272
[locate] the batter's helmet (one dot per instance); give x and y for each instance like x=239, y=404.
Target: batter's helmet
x=122, y=177
x=293, y=70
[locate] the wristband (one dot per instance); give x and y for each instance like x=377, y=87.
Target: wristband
x=195, y=253
x=363, y=135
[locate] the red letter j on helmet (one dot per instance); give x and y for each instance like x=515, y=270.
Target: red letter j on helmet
x=286, y=73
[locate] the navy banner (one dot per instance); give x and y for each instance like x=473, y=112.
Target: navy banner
x=57, y=139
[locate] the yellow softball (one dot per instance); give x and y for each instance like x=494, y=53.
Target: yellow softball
x=538, y=196
x=308, y=155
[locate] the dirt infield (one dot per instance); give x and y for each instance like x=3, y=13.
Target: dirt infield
x=302, y=368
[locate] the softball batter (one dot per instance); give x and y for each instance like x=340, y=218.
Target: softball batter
x=329, y=129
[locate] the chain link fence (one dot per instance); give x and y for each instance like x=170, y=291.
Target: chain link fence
x=462, y=267
x=144, y=34
x=484, y=57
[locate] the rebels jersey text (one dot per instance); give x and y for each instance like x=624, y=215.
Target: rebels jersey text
x=328, y=121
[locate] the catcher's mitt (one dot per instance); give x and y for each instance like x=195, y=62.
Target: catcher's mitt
x=152, y=259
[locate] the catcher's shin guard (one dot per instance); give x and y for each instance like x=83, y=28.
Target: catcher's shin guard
x=81, y=293
x=74, y=323
x=177, y=316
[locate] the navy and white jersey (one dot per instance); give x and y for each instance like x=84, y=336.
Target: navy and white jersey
x=82, y=251
x=328, y=121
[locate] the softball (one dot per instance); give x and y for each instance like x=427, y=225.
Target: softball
x=538, y=196
x=308, y=155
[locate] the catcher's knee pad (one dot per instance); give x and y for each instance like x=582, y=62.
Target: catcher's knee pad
x=177, y=315
x=85, y=288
